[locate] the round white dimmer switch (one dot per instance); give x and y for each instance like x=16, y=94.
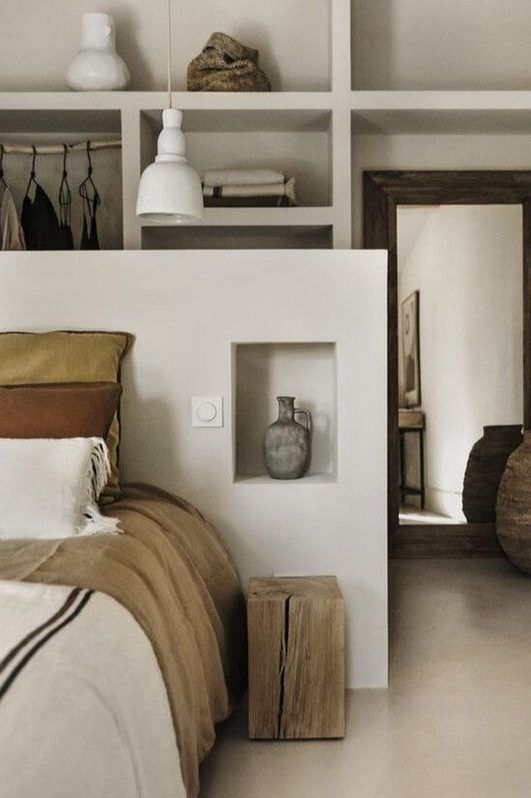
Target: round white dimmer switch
x=206, y=411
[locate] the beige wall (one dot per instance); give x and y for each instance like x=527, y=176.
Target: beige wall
x=187, y=310
x=466, y=263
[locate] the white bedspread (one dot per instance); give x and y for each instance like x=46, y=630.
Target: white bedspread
x=87, y=715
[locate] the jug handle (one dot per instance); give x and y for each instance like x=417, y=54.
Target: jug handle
x=308, y=415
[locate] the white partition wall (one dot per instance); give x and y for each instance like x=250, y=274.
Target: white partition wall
x=189, y=312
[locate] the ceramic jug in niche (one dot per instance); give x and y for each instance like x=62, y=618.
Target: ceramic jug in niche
x=288, y=444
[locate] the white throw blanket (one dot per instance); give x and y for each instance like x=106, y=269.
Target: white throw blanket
x=83, y=706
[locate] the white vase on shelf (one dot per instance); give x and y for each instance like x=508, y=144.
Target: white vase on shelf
x=97, y=66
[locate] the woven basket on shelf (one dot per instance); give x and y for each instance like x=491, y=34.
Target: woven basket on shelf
x=513, y=509
x=226, y=65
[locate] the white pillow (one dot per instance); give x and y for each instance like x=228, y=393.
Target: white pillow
x=50, y=488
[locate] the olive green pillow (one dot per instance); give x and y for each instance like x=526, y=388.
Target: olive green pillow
x=27, y=357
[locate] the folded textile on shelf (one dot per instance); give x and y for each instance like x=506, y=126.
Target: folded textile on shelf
x=248, y=202
x=286, y=189
x=242, y=177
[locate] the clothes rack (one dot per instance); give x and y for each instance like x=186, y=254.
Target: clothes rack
x=91, y=145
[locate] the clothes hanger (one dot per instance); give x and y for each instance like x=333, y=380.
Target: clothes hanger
x=65, y=195
x=3, y=184
x=65, y=205
x=91, y=200
x=32, y=182
x=87, y=190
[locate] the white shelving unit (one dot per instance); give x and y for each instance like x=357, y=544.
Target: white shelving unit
x=325, y=137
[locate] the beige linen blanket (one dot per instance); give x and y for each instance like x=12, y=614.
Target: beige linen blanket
x=171, y=572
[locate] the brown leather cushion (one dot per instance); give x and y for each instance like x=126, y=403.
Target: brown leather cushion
x=58, y=410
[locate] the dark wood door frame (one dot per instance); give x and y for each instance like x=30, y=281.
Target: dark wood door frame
x=383, y=192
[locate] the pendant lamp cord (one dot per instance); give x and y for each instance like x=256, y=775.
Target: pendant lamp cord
x=169, y=55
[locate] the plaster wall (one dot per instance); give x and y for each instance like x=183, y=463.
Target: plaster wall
x=187, y=310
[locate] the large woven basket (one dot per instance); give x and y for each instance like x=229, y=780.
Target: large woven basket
x=226, y=65
x=513, y=509
x=486, y=464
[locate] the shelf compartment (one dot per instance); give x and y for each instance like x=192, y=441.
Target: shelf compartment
x=52, y=126
x=431, y=45
x=263, y=371
x=293, y=38
x=296, y=142
x=440, y=112
x=239, y=235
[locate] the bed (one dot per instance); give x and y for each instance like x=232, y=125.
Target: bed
x=118, y=654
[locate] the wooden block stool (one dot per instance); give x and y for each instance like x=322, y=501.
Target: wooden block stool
x=296, y=628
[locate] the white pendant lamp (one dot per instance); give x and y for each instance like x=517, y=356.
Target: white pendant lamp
x=170, y=190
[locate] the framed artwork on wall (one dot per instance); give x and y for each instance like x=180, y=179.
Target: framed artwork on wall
x=411, y=350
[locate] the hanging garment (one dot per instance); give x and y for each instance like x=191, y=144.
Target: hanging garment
x=10, y=227
x=91, y=199
x=65, y=206
x=89, y=236
x=40, y=223
x=68, y=238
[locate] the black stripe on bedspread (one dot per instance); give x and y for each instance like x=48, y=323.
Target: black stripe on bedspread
x=38, y=629
x=77, y=598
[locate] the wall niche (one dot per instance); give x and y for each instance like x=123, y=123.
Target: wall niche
x=263, y=371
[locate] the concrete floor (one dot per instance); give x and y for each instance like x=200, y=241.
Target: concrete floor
x=408, y=514
x=455, y=722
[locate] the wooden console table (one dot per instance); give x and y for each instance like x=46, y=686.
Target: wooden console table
x=412, y=421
